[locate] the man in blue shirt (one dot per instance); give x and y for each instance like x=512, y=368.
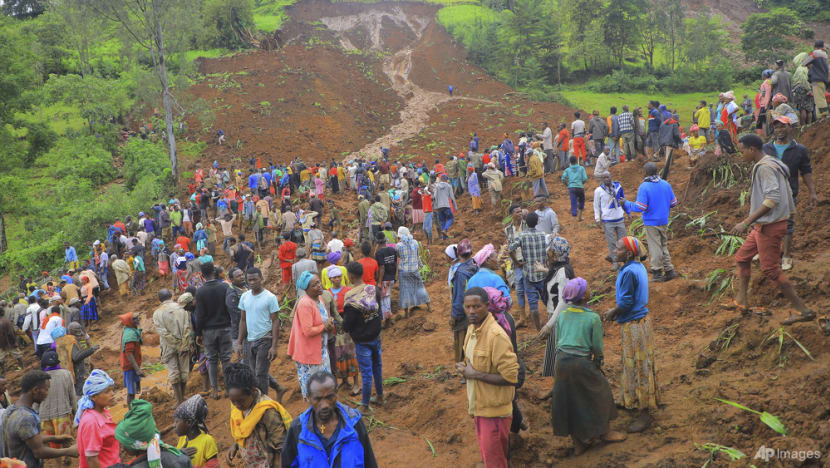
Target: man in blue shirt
x=654, y=121
x=655, y=198
x=639, y=389
x=259, y=328
x=70, y=258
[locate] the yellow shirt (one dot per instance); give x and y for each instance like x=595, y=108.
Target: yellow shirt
x=703, y=117
x=205, y=446
x=697, y=143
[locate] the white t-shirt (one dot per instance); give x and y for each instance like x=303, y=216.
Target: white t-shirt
x=45, y=335
x=578, y=128
x=732, y=109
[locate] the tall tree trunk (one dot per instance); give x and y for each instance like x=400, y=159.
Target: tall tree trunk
x=3, y=243
x=165, y=86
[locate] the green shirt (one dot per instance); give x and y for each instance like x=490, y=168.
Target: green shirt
x=575, y=176
x=176, y=218
x=579, y=331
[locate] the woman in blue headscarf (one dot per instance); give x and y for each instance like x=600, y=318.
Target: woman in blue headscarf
x=582, y=403
x=97, y=445
x=310, y=328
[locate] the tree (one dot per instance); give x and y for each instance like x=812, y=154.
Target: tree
x=580, y=23
x=99, y=101
x=146, y=21
x=705, y=37
x=83, y=25
x=672, y=26
x=652, y=31
x=23, y=9
x=621, y=19
x=764, y=38
x=226, y=22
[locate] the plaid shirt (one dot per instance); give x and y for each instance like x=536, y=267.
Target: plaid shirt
x=532, y=243
x=626, y=122
x=408, y=256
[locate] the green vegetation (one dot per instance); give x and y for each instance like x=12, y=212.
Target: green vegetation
x=685, y=103
x=268, y=15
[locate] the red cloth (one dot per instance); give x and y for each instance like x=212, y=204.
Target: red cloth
x=564, y=139
x=439, y=168
x=286, y=253
x=370, y=267
x=304, y=344
x=579, y=148
x=492, y=435
x=96, y=434
x=121, y=226
x=183, y=241
x=340, y=297
x=134, y=348
x=485, y=159
x=765, y=240
x=286, y=274
x=426, y=202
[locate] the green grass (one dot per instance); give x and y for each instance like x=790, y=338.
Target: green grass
x=461, y=19
x=684, y=102
x=270, y=15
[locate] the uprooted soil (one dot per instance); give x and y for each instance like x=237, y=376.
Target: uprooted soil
x=704, y=351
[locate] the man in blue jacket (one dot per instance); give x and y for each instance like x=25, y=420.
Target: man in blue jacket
x=655, y=198
x=329, y=433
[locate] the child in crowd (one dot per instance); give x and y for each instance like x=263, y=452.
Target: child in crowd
x=194, y=440
x=131, y=341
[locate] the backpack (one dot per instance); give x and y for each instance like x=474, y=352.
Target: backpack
x=263, y=183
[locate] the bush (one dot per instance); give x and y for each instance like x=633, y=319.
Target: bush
x=79, y=158
x=619, y=81
x=223, y=21
x=143, y=158
x=697, y=77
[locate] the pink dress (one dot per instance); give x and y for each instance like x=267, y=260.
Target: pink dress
x=318, y=182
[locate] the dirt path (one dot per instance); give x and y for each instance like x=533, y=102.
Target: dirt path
x=419, y=101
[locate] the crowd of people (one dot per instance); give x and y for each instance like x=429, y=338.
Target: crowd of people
x=334, y=283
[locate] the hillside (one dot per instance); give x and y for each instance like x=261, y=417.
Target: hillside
x=354, y=77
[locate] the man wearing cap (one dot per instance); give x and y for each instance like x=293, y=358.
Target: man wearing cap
x=797, y=159
x=172, y=324
x=818, y=76
x=781, y=81
x=771, y=205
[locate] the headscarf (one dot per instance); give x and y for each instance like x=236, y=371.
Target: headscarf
x=75, y=329
x=465, y=247
x=301, y=253
x=97, y=382
x=194, y=411
x=574, y=290
x=560, y=247
x=767, y=73
x=633, y=245
x=185, y=299
x=199, y=226
x=138, y=432
x=452, y=251
x=404, y=234
x=334, y=271
x=482, y=255
x=779, y=98
x=49, y=360
x=304, y=280
x=127, y=320
x=694, y=128
x=334, y=257
x=798, y=60
x=729, y=95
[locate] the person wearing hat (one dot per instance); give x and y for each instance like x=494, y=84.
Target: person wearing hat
x=818, y=75
x=140, y=439
x=797, y=159
x=781, y=81
x=131, y=340
x=173, y=326
x=781, y=108
x=639, y=387
x=771, y=207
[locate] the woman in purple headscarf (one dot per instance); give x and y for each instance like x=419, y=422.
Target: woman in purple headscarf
x=582, y=401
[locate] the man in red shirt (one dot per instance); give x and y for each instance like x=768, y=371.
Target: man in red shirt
x=184, y=242
x=563, y=140
x=131, y=355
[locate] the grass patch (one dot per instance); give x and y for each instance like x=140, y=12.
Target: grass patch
x=60, y=117
x=270, y=15
x=684, y=102
x=461, y=19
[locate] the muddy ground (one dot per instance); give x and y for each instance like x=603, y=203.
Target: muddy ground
x=379, y=77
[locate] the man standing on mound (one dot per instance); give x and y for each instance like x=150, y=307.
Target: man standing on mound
x=655, y=199
x=771, y=203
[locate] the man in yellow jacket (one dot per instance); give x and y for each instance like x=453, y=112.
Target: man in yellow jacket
x=491, y=370
x=536, y=173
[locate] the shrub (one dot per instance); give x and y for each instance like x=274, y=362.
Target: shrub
x=79, y=158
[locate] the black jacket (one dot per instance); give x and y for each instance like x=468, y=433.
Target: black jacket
x=796, y=158
x=362, y=327
x=211, y=310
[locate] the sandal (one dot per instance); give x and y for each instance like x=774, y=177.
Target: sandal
x=806, y=317
x=733, y=305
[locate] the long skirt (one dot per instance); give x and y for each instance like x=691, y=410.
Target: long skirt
x=417, y=216
x=139, y=281
x=181, y=280
x=639, y=378
x=304, y=371
x=90, y=311
x=412, y=290
x=476, y=202
x=346, y=357
x=62, y=425
x=582, y=401
x=550, y=356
